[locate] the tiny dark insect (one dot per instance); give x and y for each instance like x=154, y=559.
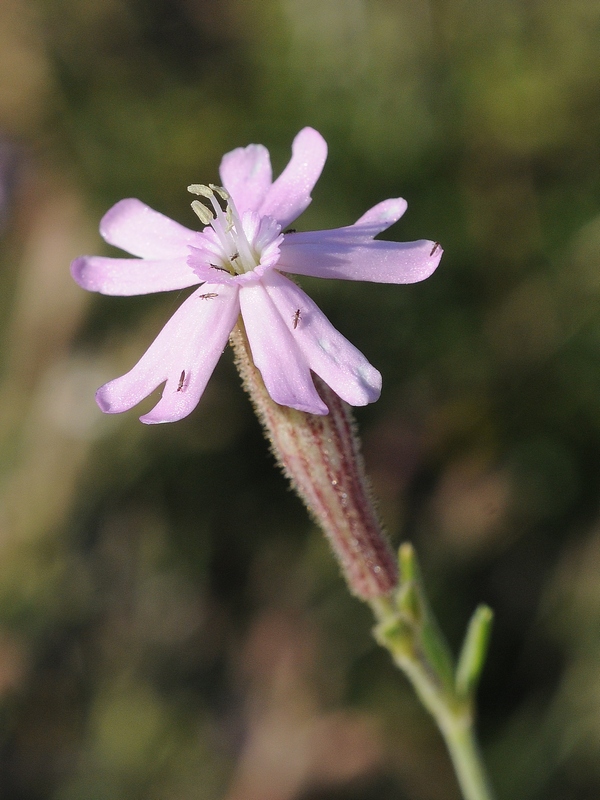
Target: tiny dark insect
x=297, y=318
x=222, y=269
x=435, y=248
x=208, y=295
x=234, y=256
x=181, y=384
x=291, y=230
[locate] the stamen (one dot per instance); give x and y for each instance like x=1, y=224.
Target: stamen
x=223, y=229
x=248, y=257
x=223, y=193
x=204, y=214
x=227, y=225
x=200, y=189
x=229, y=218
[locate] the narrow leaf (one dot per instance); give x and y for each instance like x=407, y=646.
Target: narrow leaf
x=474, y=652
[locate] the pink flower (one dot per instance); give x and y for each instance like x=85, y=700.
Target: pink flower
x=237, y=263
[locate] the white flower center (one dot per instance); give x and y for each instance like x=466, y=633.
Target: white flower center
x=239, y=254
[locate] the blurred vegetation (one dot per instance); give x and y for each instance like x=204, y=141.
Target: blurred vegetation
x=171, y=624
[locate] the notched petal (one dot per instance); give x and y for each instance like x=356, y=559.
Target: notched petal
x=184, y=354
x=340, y=254
x=381, y=216
x=246, y=174
x=328, y=353
x=282, y=365
x=289, y=195
x=131, y=276
x=138, y=229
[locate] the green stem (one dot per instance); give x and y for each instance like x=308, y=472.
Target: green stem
x=468, y=765
x=453, y=714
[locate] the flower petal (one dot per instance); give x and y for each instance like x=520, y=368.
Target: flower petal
x=274, y=351
x=329, y=354
x=381, y=216
x=246, y=174
x=130, y=276
x=141, y=231
x=344, y=253
x=364, y=230
x=289, y=195
x=184, y=354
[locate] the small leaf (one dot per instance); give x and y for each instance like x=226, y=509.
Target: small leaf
x=474, y=652
x=407, y=561
x=412, y=603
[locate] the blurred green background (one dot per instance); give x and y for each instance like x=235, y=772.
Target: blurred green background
x=172, y=626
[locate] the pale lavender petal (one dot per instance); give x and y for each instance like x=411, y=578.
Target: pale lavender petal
x=246, y=174
x=343, y=253
x=184, y=354
x=364, y=230
x=329, y=354
x=381, y=216
x=289, y=195
x=282, y=366
x=141, y=231
x=130, y=276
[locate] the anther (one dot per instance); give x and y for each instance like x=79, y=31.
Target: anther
x=223, y=193
x=229, y=218
x=201, y=190
x=204, y=214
